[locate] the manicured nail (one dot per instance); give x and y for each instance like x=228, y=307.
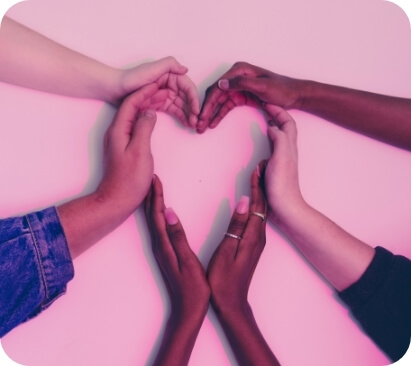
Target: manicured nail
x=223, y=84
x=171, y=216
x=242, y=205
x=150, y=113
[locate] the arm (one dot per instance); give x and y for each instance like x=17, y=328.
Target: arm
x=184, y=278
x=31, y=60
x=382, y=117
x=127, y=175
x=230, y=272
x=337, y=255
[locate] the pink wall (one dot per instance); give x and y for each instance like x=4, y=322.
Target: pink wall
x=50, y=146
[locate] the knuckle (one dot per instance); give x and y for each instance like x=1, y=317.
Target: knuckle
x=240, y=64
x=177, y=235
x=237, y=224
x=171, y=59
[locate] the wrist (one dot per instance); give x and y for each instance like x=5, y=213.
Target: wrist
x=305, y=90
x=294, y=216
x=119, y=208
x=112, y=88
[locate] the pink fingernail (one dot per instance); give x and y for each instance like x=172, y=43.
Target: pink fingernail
x=242, y=205
x=258, y=171
x=223, y=84
x=171, y=216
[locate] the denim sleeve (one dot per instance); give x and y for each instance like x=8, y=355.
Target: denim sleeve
x=381, y=302
x=35, y=266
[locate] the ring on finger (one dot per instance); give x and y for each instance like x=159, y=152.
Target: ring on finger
x=233, y=236
x=259, y=214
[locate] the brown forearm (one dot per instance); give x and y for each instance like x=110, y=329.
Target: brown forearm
x=385, y=118
x=245, y=338
x=178, y=341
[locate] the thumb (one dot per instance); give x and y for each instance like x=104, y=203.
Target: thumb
x=165, y=65
x=142, y=130
x=243, y=83
x=280, y=117
x=274, y=135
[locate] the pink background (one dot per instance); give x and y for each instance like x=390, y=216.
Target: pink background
x=50, y=147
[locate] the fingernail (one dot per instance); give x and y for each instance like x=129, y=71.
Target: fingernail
x=223, y=84
x=171, y=216
x=242, y=205
x=258, y=171
x=200, y=124
x=149, y=113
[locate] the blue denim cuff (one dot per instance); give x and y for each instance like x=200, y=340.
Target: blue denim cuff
x=35, y=266
x=54, y=261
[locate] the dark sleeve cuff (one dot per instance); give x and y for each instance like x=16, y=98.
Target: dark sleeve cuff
x=381, y=302
x=373, y=278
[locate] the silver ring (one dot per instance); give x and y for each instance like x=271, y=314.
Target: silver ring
x=259, y=214
x=233, y=236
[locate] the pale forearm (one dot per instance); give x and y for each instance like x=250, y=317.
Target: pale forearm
x=31, y=60
x=337, y=255
x=245, y=338
x=382, y=117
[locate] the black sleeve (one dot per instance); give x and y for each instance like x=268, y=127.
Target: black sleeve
x=381, y=302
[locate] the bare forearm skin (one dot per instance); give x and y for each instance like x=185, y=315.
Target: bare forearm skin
x=179, y=338
x=88, y=219
x=384, y=118
x=31, y=60
x=244, y=336
x=337, y=255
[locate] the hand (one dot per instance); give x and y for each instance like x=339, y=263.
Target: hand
x=246, y=84
x=281, y=174
x=182, y=101
x=182, y=272
x=232, y=265
x=128, y=162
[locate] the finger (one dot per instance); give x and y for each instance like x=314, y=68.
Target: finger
x=188, y=92
x=282, y=119
x=123, y=122
x=254, y=85
x=185, y=256
x=148, y=212
x=227, y=102
x=142, y=131
x=178, y=113
x=213, y=93
x=209, y=107
x=236, y=227
x=254, y=233
x=166, y=65
x=163, y=250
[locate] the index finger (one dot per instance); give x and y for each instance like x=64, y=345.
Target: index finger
x=213, y=98
x=254, y=233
